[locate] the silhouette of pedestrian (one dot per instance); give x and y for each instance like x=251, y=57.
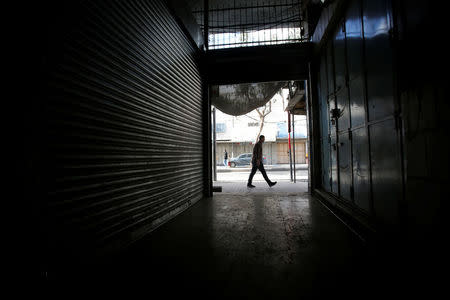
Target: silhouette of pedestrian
x=225, y=158
x=257, y=163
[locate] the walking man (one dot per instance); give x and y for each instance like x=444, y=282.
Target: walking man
x=257, y=163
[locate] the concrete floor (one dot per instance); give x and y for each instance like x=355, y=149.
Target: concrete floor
x=254, y=245
x=264, y=243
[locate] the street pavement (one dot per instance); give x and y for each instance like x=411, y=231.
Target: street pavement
x=282, y=188
x=274, y=174
x=279, y=167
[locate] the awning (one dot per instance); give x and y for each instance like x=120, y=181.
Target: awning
x=240, y=99
x=297, y=104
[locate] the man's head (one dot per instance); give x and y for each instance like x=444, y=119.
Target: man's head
x=262, y=138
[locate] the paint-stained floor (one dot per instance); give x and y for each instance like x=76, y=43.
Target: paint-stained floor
x=253, y=245
x=264, y=243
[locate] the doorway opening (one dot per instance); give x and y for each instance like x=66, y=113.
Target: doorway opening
x=241, y=113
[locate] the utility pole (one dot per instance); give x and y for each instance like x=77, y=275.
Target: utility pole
x=289, y=143
x=293, y=144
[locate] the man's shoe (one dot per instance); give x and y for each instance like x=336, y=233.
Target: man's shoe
x=250, y=185
x=272, y=183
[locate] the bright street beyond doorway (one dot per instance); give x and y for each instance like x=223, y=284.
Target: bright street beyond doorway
x=234, y=180
x=275, y=173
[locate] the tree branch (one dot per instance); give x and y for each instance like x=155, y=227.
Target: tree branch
x=259, y=113
x=251, y=118
x=270, y=109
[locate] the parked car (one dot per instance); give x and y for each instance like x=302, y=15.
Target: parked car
x=244, y=159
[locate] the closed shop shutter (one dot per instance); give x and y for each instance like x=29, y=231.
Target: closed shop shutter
x=122, y=149
x=283, y=155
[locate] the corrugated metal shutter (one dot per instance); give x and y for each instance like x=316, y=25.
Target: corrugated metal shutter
x=123, y=114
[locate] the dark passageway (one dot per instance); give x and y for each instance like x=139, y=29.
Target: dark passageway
x=256, y=246
x=117, y=149
x=249, y=246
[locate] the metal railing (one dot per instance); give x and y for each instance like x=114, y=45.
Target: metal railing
x=252, y=23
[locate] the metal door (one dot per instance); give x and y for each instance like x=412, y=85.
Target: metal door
x=379, y=60
x=334, y=166
x=123, y=107
x=345, y=169
x=324, y=125
x=361, y=169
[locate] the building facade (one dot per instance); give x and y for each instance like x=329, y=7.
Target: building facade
x=238, y=134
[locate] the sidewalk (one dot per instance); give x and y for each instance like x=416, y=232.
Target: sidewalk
x=280, y=167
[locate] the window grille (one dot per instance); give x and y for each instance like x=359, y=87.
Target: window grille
x=243, y=23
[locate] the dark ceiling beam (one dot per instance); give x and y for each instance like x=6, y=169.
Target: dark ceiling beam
x=259, y=63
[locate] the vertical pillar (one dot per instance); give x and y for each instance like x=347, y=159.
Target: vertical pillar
x=214, y=144
x=315, y=175
x=207, y=110
x=206, y=23
x=309, y=130
x=207, y=138
x=293, y=147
